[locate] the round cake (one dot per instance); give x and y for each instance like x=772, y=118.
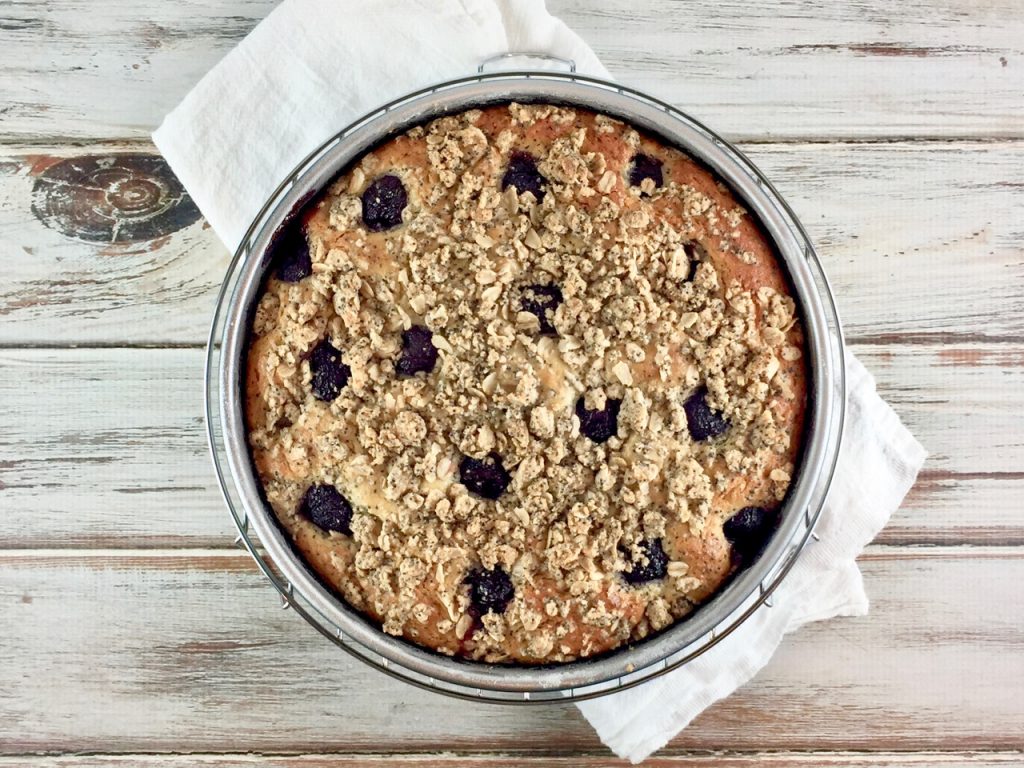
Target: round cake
x=525, y=384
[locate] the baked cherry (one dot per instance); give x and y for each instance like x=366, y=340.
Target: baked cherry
x=522, y=174
x=694, y=256
x=651, y=567
x=599, y=425
x=489, y=590
x=291, y=251
x=645, y=167
x=327, y=508
x=330, y=375
x=749, y=530
x=484, y=477
x=542, y=301
x=383, y=202
x=418, y=352
x=703, y=421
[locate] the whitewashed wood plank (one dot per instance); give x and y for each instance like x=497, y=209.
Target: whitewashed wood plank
x=81, y=69
x=775, y=69
x=920, y=239
x=107, y=447
x=916, y=239
x=946, y=507
x=189, y=651
x=957, y=399
x=61, y=289
x=810, y=69
x=502, y=760
x=110, y=447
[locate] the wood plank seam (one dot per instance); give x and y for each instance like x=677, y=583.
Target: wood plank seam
x=881, y=551
x=130, y=143
x=666, y=754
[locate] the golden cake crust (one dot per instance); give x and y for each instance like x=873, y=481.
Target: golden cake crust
x=636, y=324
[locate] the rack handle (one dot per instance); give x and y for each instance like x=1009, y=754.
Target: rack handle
x=570, y=63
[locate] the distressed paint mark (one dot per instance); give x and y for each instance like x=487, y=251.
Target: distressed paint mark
x=206, y=647
x=229, y=29
x=888, y=49
x=10, y=24
x=928, y=338
x=125, y=198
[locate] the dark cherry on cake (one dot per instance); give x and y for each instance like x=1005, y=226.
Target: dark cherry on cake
x=418, y=352
x=291, y=252
x=486, y=477
x=330, y=374
x=522, y=174
x=489, y=590
x=651, y=567
x=703, y=421
x=327, y=508
x=749, y=531
x=599, y=425
x=645, y=167
x=542, y=301
x=383, y=202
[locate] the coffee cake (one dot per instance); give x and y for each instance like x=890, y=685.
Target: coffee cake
x=525, y=384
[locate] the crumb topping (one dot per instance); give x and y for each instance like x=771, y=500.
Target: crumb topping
x=662, y=289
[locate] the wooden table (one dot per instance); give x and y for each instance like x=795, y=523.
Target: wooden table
x=129, y=625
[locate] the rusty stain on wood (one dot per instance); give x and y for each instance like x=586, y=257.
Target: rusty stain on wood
x=928, y=477
x=124, y=198
x=1011, y=357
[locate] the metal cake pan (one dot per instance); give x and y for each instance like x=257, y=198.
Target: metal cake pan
x=629, y=665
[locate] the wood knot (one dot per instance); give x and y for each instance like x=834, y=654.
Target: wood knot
x=124, y=198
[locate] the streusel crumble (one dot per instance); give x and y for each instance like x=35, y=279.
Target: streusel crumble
x=526, y=385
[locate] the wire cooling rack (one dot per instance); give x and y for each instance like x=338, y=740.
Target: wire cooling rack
x=761, y=597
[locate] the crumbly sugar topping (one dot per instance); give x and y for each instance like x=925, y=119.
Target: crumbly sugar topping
x=651, y=310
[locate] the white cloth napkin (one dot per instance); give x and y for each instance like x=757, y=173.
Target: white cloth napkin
x=313, y=66
x=878, y=463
